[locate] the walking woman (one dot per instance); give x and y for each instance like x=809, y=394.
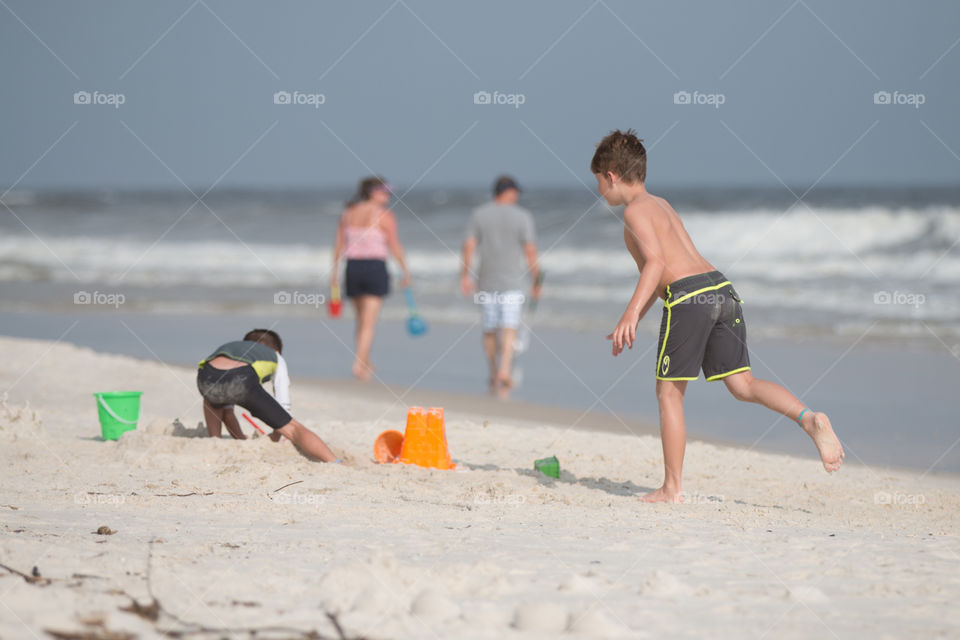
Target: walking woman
x=367, y=233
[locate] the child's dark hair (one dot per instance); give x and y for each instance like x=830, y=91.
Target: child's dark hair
x=267, y=338
x=621, y=152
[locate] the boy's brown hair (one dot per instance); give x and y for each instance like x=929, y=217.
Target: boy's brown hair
x=266, y=337
x=621, y=152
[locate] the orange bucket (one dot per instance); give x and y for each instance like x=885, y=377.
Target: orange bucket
x=387, y=446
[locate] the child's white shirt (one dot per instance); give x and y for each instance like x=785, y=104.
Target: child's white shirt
x=281, y=384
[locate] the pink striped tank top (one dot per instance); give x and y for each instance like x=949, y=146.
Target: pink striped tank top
x=365, y=243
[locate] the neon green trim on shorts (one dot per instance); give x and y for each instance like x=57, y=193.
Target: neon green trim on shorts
x=666, y=335
x=728, y=373
x=682, y=298
x=669, y=379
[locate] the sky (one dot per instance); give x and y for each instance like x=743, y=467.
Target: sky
x=801, y=92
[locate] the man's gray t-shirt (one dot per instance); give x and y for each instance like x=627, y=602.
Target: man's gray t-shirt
x=501, y=231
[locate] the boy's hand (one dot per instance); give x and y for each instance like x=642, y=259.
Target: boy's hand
x=625, y=333
x=275, y=435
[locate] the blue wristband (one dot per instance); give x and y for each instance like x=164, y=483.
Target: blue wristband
x=800, y=417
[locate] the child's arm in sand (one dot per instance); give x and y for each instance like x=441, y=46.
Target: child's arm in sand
x=645, y=246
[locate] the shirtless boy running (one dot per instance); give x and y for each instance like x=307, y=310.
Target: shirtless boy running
x=702, y=324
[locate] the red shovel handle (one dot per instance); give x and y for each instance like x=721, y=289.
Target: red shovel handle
x=254, y=424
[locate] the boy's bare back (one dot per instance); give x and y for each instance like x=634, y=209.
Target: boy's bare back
x=654, y=231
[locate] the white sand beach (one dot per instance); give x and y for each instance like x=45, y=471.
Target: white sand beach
x=230, y=538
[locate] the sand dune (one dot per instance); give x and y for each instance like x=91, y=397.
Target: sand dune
x=233, y=536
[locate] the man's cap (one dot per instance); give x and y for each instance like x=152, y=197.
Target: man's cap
x=505, y=183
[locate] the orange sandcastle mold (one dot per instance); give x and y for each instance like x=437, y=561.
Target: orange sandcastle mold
x=425, y=440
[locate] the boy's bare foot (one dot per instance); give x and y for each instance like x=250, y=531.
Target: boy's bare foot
x=662, y=495
x=362, y=371
x=275, y=435
x=818, y=427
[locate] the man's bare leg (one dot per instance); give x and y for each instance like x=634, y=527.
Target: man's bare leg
x=490, y=349
x=307, y=442
x=746, y=388
x=504, y=373
x=673, y=437
x=211, y=417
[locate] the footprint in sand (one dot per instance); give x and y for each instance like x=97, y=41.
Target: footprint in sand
x=662, y=583
x=595, y=624
x=540, y=616
x=433, y=605
x=577, y=584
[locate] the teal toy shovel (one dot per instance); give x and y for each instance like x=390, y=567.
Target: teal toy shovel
x=416, y=326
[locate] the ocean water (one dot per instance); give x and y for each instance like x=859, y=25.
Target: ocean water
x=838, y=263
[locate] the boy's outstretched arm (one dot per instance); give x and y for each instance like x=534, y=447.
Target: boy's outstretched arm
x=646, y=242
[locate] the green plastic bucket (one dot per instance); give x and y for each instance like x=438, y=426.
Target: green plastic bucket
x=548, y=466
x=119, y=412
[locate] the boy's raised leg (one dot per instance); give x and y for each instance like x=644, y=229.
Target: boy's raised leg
x=746, y=388
x=307, y=442
x=673, y=436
